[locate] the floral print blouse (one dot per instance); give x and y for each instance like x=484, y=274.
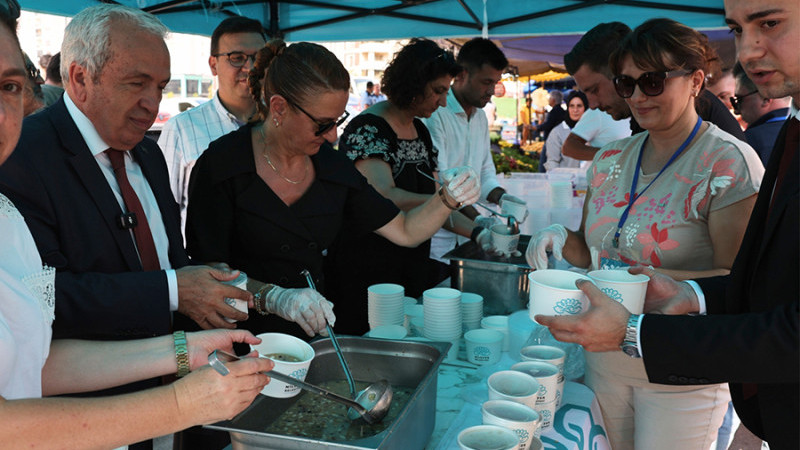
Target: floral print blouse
x=667, y=225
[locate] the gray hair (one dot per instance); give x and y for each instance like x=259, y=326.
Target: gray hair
x=87, y=38
x=557, y=95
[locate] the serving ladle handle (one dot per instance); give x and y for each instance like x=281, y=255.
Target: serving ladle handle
x=217, y=360
x=351, y=383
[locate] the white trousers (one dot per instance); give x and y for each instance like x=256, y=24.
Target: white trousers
x=644, y=416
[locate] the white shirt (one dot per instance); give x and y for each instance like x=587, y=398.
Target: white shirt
x=27, y=290
x=598, y=128
x=186, y=136
x=555, y=140
x=140, y=185
x=460, y=141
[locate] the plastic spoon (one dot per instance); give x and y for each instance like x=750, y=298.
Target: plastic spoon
x=372, y=404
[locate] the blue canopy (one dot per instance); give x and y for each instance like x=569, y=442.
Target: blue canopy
x=348, y=20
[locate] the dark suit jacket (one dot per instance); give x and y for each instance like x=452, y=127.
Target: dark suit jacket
x=554, y=117
x=761, y=134
x=56, y=183
x=750, y=334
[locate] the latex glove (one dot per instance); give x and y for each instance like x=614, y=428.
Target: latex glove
x=307, y=307
x=486, y=221
x=551, y=238
x=516, y=208
x=462, y=185
x=485, y=242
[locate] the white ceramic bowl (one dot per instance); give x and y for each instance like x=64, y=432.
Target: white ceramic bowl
x=483, y=346
x=514, y=386
x=487, y=437
x=553, y=292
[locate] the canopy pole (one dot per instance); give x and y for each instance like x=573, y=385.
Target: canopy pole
x=485, y=28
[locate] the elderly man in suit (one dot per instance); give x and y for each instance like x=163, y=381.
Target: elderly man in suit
x=96, y=194
x=744, y=329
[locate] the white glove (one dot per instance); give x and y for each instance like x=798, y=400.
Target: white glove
x=307, y=307
x=462, y=185
x=515, y=206
x=484, y=240
x=551, y=238
x=486, y=221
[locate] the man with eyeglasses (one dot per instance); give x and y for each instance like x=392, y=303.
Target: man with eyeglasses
x=764, y=116
x=587, y=62
x=185, y=137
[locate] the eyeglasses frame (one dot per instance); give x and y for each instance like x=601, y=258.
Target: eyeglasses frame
x=736, y=100
x=230, y=61
x=667, y=75
x=322, y=127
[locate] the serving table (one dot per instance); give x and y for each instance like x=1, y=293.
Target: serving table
x=577, y=425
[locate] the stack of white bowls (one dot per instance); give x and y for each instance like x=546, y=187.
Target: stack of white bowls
x=442, y=308
x=385, y=304
x=471, y=311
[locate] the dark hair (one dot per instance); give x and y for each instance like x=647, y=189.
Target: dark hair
x=233, y=25
x=9, y=13
x=370, y=84
x=575, y=94
x=594, y=48
x=741, y=76
x=417, y=64
x=478, y=51
x=664, y=44
x=298, y=72
x=53, y=70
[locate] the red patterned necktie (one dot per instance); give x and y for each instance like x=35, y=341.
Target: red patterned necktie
x=141, y=231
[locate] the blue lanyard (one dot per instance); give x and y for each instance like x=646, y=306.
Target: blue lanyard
x=777, y=119
x=633, y=195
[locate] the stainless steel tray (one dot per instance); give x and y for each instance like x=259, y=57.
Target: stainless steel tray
x=402, y=363
x=503, y=282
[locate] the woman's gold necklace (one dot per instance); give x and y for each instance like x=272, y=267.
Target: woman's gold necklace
x=266, y=156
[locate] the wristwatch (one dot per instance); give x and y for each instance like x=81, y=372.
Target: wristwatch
x=629, y=345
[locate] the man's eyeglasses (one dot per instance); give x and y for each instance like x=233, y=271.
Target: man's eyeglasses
x=9, y=9
x=237, y=59
x=736, y=100
x=322, y=127
x=650, y=83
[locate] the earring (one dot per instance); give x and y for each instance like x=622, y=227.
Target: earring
x=694, y=94
x=275, y=121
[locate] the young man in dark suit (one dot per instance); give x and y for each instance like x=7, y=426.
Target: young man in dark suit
x=744, y=327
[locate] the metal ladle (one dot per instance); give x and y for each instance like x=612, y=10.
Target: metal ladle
x=349, y=376
x=372, y=404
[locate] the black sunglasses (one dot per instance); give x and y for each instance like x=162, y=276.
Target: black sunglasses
x=237, y=59
x=322, y=127
x=650, y=83
x=9, y=9
x=736, y=100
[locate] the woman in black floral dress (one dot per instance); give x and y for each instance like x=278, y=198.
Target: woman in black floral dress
x=390, y=146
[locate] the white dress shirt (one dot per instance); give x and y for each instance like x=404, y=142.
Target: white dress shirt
x=460, y=141
x=140, y=185
x=186, y=136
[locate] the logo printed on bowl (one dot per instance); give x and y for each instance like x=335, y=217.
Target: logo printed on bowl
x=613, y=293
x=482, y=353
x=568, y=306
x=523, y=434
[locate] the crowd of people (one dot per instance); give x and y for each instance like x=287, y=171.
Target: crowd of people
x=119, y=252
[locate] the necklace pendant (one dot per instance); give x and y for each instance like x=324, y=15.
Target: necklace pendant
x=615, y=242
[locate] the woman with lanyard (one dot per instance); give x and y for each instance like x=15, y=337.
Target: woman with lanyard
x=675, y=197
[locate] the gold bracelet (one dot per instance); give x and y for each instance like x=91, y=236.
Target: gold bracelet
x=181, y=353
x=260, y=299
x=446, y=203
